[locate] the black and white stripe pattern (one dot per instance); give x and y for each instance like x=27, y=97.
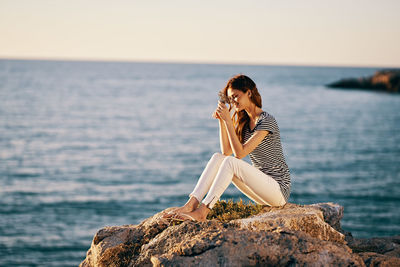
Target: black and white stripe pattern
x=268, y=156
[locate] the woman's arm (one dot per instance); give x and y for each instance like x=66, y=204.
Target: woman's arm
x=223, y=139
x=223, y=136
x=240, y=150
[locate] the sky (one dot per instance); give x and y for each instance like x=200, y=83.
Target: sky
x=286, y=32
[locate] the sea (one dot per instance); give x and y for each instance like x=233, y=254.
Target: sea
x=89, y=144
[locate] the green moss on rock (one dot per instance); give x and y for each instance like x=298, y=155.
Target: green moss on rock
x=226, y=211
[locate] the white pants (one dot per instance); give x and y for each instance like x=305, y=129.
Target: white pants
x=222, y=170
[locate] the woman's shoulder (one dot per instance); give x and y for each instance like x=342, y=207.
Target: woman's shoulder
x=267, y=122
x=266, y=116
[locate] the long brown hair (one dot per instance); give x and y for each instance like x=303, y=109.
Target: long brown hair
x=243, y=83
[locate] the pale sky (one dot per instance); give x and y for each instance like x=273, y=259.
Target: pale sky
x=286, y=32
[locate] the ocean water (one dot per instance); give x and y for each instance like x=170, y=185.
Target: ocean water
x=85, y=145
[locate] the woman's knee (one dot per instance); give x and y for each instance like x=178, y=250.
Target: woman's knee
x=228, y=161
x=217, y=156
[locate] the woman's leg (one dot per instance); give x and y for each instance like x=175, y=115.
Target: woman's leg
x=247, y=191
x=262, y=200
x=207, y=177
x=256, y=184
x=202, y=186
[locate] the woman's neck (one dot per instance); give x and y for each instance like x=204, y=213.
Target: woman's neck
x=253, y=112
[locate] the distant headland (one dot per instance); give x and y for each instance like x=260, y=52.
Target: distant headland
x=387, y=80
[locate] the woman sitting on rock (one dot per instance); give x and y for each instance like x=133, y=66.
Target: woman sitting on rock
x=251, y=131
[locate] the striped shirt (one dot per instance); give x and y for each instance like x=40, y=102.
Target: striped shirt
x=268, y=156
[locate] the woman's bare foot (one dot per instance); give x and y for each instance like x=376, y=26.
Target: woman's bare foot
x=190, y=206
x=200, y=214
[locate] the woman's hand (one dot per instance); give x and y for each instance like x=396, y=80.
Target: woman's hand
x=215, y=115
x=222, y=112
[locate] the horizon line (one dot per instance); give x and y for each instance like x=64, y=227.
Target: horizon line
x=196, y=62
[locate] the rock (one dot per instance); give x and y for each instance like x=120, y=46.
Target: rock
x=384, y=80
x=289, y=235
x=376, y=259
x=383, y=251
x=216, y=245
x=309, y=219
x=383, y=245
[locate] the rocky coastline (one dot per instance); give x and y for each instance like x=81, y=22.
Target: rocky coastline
x=293, y=235
x=384, y=80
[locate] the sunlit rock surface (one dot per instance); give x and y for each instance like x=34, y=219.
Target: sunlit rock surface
x=303, y=235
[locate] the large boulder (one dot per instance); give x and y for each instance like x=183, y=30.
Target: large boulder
x=291, y=235
x=383, y=80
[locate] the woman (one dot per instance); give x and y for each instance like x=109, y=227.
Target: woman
x=251, y=131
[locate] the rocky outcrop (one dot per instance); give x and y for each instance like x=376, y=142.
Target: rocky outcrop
x=384, y=80
x=291, y=235
x=383, y=251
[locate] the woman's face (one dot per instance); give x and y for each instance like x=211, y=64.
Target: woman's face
x=238, y=99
